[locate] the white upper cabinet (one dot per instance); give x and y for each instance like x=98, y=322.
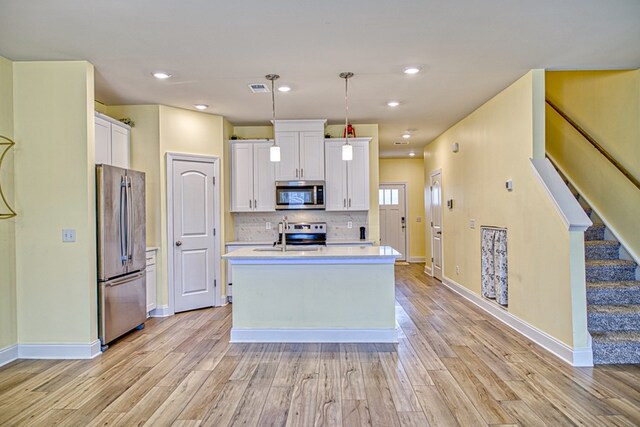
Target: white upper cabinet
x=301, y=150
x=113, y=142
x=347, y=182
x=252, y=177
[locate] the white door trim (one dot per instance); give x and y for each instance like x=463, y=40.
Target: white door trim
x=406, y=214
x=215, y=160
x=431, y=174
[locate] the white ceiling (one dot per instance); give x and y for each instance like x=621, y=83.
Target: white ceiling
x=468, y=49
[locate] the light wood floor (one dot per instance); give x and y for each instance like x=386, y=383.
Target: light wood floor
x=454, y=365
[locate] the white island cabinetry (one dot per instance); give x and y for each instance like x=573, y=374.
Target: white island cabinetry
x=332, y=294
x=347, y=182
x=252, y=177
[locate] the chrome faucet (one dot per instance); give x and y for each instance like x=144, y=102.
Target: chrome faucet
x=285, y=226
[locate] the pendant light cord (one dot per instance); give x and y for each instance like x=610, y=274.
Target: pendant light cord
x=346, y=109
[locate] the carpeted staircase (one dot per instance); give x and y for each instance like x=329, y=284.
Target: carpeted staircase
x=613, y=296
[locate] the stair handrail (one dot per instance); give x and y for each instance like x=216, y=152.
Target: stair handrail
x=595, y=144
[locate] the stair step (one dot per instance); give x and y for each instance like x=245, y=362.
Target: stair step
x=616, y=347
x=601, y=249
x=608, y=318
x=595, y=232
x=616, y=270
x=616, y=293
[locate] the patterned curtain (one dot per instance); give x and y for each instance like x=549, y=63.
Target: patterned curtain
x=494, y=264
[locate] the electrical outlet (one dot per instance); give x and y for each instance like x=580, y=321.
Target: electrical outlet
x=349, y=224
x=457, y=269
x=418, y=219
x=267, y=226
x=68, y=235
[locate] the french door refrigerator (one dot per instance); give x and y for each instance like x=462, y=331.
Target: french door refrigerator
x=120, y=195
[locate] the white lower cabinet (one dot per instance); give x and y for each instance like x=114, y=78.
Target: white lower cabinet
x=151, y=280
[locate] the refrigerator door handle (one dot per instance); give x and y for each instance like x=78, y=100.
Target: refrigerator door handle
x=122, y=220
x=130, y=225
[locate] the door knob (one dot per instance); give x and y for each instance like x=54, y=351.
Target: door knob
x=178, y=243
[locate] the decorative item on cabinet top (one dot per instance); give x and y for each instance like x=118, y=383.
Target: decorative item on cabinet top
x=5, y=146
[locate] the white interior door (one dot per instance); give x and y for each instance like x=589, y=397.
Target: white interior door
x=436, y=224
x=193, y=235
x=393, y=219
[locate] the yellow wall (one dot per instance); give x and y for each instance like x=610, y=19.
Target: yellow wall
x=158, y=130
x=54, y=189
x=607, y=105
x=410, y=171
x=8, y=319
x=188, y=132
x=253, y=132
x=546, y=286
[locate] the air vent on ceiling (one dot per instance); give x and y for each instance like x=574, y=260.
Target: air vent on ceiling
x=401, y=143
x=259, y=88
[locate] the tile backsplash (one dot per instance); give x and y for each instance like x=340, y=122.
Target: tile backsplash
x=250, y=226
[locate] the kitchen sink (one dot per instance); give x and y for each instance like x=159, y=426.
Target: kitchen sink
x=289, y=249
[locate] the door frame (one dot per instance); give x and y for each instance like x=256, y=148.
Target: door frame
x=215, y=160
x=431, y=174
x=406, y=214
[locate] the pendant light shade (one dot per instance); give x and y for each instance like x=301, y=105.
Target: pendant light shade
x=274, y=150
x=347, y=149
x=347, y=152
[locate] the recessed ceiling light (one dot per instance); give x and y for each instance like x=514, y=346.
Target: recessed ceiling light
x=201, y=106
x=412, y=154
x=393, y=103
x=406, y=135
x=411, y=70
x=161, y=75
x=284, y=88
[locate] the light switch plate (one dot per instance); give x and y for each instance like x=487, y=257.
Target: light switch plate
x=349, y=224
x=418, y=219
x=267, y=226
x=68, y=235
x=472, y=223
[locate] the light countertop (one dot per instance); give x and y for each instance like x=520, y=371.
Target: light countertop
x=329, y=242
x=344, y=253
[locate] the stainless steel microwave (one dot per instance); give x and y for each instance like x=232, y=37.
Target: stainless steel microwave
x=299, y=195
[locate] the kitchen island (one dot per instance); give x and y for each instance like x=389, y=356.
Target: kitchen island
x=330, y=294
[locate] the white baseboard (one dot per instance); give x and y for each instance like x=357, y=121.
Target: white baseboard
x=416, y=259
x=59, y=351
x=315, y=335
x=427, y=270
x=8, y=354
x=579, y=357
x=161, y=311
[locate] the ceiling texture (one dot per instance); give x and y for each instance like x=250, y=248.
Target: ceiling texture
x=468, y=51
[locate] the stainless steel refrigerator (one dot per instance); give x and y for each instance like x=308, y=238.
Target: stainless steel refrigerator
x=120, y=195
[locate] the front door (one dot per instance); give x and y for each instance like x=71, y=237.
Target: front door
x=393, y=220
x=193, y=234
x=436, y=224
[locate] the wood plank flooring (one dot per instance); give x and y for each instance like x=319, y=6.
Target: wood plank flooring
x=454, y=366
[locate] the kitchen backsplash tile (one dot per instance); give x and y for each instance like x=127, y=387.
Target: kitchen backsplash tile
x=251, y=226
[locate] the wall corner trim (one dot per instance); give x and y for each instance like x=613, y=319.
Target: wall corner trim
x=161, y=311
x=59, y=351
x=570, y=211
x=8, y=354
x=578, y=357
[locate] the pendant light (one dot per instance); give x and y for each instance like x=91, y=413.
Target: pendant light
x=347, y=149
x=274, y=150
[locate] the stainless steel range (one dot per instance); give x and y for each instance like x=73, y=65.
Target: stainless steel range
x=304, y=233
